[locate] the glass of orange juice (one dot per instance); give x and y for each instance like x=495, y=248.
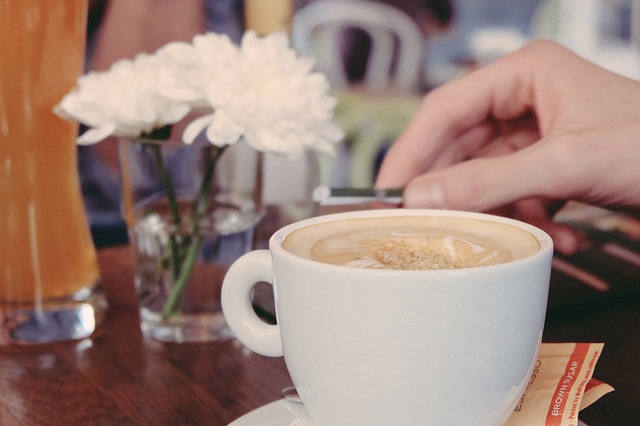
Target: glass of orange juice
x=49, y=278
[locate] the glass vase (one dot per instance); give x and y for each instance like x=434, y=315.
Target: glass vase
x=49, y=278
x=191, y=210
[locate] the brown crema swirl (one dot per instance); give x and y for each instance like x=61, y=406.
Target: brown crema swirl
x=412, y=243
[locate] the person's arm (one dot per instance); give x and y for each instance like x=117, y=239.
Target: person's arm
x=541, y=122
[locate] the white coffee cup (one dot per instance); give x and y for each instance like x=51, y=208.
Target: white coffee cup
x=397, y=347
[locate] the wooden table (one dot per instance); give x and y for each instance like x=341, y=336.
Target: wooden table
x=119, y=378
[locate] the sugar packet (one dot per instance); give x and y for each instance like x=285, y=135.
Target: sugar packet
x=561, y=384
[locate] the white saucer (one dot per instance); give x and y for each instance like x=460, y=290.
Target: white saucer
x=283, y=413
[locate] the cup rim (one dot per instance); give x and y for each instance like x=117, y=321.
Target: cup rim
x=545, y=241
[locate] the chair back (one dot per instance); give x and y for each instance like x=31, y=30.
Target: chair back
x=396, y=42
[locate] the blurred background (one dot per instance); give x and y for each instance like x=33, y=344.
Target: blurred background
x=461, y=34
x=380, y=56
x=605, y=31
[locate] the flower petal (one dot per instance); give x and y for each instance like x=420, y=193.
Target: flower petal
x=193, y=130
x=262, y=90
x=223, y=129
x=92, y=136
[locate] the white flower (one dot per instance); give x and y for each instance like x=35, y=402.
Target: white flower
x=209, y=55
x=266, y=94
x=126, y=100
x=261, y=91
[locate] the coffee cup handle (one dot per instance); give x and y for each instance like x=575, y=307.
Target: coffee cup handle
x=251, y=331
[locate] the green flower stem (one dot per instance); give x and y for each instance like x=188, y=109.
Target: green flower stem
x=174, y=257
x=167, y=184
x=173, y=302
x=201, y=203
x=184, y=257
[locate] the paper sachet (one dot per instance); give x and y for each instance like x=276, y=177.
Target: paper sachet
x=561, y=385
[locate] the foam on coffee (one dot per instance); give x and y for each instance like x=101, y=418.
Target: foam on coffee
x=412, y=242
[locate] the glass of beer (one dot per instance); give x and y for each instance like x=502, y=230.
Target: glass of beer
x=49, y=278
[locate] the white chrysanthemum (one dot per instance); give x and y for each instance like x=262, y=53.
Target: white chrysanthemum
x=126, y=100
x=261, y=91
x=266, y=94
x=199, y=62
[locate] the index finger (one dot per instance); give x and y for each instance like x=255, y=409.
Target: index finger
x=458, y=117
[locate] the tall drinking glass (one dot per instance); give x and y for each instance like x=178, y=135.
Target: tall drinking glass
x=48, y=270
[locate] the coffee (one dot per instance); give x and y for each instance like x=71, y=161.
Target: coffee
x=377, y=347
x=412, y=242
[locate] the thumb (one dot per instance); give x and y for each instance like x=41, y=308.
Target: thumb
x=480, y=184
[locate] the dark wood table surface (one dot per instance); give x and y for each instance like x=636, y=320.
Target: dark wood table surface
x=117, y=377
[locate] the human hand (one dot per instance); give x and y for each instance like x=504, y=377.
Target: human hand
x=528, y=131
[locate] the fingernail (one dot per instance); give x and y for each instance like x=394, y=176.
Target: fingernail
x=430, y=196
